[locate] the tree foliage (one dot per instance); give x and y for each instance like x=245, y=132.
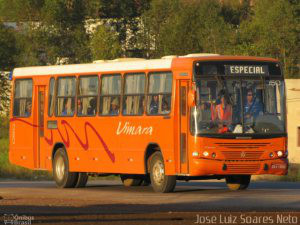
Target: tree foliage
x=105, y=44
x=50, y=30
x=181, y=27
x=273, y=30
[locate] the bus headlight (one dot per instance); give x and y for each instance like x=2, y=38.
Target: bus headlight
x=195, y=154
x=205, y=154
x=279, y=153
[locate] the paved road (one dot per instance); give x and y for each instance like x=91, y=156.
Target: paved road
x=108, y=202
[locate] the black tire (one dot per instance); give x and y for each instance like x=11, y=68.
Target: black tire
x=160, y=182
x=131, y=180
x=238, y=182
x=82, y=180
x=61, y=174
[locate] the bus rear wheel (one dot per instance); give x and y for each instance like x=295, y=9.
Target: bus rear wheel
x=130, y=180
x=62, y=176
x=159, y=180
x=238, y=182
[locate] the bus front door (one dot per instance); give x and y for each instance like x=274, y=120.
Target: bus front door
x=183, y=127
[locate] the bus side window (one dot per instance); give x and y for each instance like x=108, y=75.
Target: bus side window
x=134, y=94
x=87, y=96
x=65, y=103
x=51, y=96
x=110, y=95
x=23, y=98
x=159, y=93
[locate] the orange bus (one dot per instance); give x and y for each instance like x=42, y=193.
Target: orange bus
x=199, y=116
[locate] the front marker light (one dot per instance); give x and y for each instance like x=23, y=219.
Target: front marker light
x=195, y=154
x=205, y=154
x=279, y=153
x=271, y=155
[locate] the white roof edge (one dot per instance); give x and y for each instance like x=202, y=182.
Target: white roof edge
x=93, y=67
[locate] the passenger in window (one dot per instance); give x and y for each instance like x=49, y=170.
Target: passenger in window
x=165, y=108
x=79, y=107
x=28, y=109
x=114, y=109
x=141, y=106
x=92, y=108
x=67, y=109
x=252, y=108
x=154, y=105
x=224, y=113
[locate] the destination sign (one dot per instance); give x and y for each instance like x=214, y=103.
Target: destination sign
x=246, y=70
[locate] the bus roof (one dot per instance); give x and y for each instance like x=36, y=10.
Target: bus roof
x=131, y=64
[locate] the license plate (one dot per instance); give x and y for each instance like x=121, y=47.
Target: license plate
x=278, y=166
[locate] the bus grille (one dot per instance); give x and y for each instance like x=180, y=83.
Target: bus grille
x=242, y=155
x=242, y=145
x=242, y=168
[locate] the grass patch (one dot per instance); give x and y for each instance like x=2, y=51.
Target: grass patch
x=7, y=170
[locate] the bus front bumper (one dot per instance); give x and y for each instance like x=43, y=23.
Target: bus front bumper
x=223, y=167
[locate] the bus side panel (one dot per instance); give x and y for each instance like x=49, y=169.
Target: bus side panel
x=111, y=144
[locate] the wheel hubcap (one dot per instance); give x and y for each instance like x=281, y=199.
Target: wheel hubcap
x=60, y=168
x=158, y=172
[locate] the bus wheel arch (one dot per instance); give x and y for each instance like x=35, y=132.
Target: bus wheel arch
x=56, y=146
x=149, y=152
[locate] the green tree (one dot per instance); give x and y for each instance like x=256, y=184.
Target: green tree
x=273, y=30
x=8, y=48
x=50, y=30
x=105, y=44
x=180, y=27
x=8, y=52
x=123, y=16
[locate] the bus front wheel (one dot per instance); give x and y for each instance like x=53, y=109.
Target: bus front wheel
x=238, y=182
x=160, y=182
x=62, y=176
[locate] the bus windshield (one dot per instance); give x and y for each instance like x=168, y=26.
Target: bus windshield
x=228, y=105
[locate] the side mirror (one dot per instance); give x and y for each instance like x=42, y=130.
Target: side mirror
x=192, y=98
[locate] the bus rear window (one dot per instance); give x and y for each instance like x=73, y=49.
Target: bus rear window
x=23, y=98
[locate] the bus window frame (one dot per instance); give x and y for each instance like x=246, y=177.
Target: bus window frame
x=100, y=95
x=50, y=114
x=14, y=89
x=124, y=95
x=56, y=95
x=161, y=93
x=86, y=96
